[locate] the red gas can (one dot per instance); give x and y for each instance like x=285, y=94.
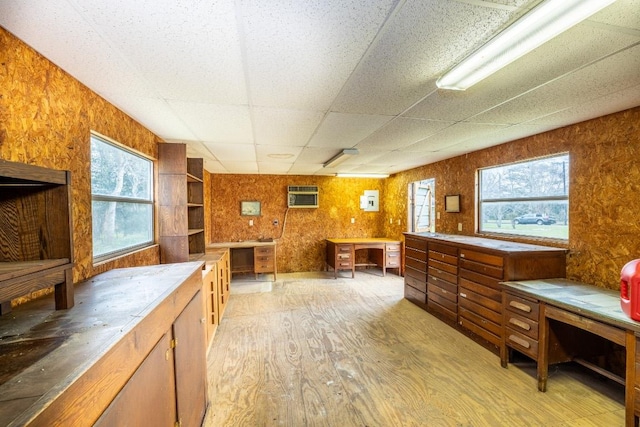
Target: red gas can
x=630, y=289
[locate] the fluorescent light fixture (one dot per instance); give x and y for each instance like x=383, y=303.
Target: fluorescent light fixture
x=541, y=24
x=341, y=157
x=362, y=175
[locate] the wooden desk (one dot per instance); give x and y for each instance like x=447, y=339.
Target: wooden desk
x=250, y=256
x=341, y=254
x=558, y=320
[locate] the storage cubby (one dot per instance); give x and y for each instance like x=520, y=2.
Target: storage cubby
x=36, y=250
x=181, y=204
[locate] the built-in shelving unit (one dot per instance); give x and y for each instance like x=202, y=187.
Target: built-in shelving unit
x=36, y=250
x=181, y=202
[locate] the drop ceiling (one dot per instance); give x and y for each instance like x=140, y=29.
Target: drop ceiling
x=281, y=86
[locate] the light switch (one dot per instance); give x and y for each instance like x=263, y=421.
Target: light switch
x=353, y=220
x=250, y=223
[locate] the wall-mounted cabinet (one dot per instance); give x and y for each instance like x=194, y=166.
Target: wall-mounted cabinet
x=181, y=204
x=36, y=250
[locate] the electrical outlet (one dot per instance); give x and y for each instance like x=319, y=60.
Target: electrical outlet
x=250, y=223
x=459, y=226
x=353, y=220
x=390, y=220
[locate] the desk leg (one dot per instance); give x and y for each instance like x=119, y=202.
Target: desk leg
x=543, y=350
x=630, y=379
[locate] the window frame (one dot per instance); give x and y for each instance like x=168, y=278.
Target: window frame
x=123, y=199
x=533, y=199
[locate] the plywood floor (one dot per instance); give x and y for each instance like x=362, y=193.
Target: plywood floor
x=309, y=350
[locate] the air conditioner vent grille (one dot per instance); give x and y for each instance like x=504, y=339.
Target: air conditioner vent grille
x=303, y=188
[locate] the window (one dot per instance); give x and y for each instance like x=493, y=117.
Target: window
x=530, y=198
x=121, y=199
x=422, y=206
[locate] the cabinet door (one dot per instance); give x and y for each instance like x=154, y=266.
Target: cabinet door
x=190, y=363
x=149, y=397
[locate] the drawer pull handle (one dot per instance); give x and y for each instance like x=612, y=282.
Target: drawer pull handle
x=520, y=306
x=520, y=324
x=520, y=341
x=463, y=295
x=462, y=255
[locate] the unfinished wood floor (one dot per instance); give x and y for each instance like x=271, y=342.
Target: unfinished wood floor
x=314, y=351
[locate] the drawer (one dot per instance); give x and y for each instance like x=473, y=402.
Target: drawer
x=485, y=269
x=444, y=249
x=263, y=250
x=393, y=247
x=340, y=256
x=412, y=253
x=344, y=264
x=521, y=324
x=491, y=282
x=522, y=343
x=415, y=296
x=415, y=264
x=453, y=269
x=527, y=308
x=450, y=287
x=482, y=258
x=451, y=306
x=442, y=257
x=416, y=274
x=416, y=284
x=488, y=325
x=479, y=331
x=442, y=275
x=264, y=267
x=443, y=292
x=493, y=305
x=442, y=312
x=480, y=310
x=393, y=257
x=485, y=291
x=412, y=242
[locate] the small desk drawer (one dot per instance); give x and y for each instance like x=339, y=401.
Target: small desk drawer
x=266, y=266
x=522, y=343
x=393, y=247
x=521, y=324
x=527, y=308
x=263, y=250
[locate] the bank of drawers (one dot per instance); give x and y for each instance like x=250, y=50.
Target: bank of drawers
x=264, y=259
x=442, y=287
x=480, y=296
x=521, y=321
x=393, y=255
x=415, y=271
x=344, y=257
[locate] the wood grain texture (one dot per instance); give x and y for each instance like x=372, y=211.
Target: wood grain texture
x=353, y=352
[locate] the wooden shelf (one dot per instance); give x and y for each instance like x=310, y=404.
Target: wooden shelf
x=181, y=199
x=36, y=250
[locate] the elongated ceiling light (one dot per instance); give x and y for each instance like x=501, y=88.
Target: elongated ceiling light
x=341, y=157
x=541, y=24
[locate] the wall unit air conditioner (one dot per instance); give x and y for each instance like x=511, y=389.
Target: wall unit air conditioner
x=303, y=196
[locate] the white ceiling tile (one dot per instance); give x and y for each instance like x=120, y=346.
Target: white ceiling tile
x=276, y=126
x=305, y=168
x=621, y=14
x=579, y=46
x=402, y=132
x=581, y=86
x=453, y=135
x=421, y=41
x=300, y=53
x=232, y=152
x=188, y=52
x=215, y=123
x=241, y=167
x=607, y=104
x=340, y=130
x=273, y=168
x=277, y=153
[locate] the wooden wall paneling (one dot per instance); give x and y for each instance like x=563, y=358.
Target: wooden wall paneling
x=46, y=117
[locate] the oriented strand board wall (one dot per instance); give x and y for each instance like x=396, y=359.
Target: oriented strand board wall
x=604, y=190
x=45, y=119
x=301, y=247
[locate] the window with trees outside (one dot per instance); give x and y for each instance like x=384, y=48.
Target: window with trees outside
x=121, y=199
x=529, y=198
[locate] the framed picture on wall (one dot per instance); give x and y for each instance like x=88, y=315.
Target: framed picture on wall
x=452, y=203
x=250, y=208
